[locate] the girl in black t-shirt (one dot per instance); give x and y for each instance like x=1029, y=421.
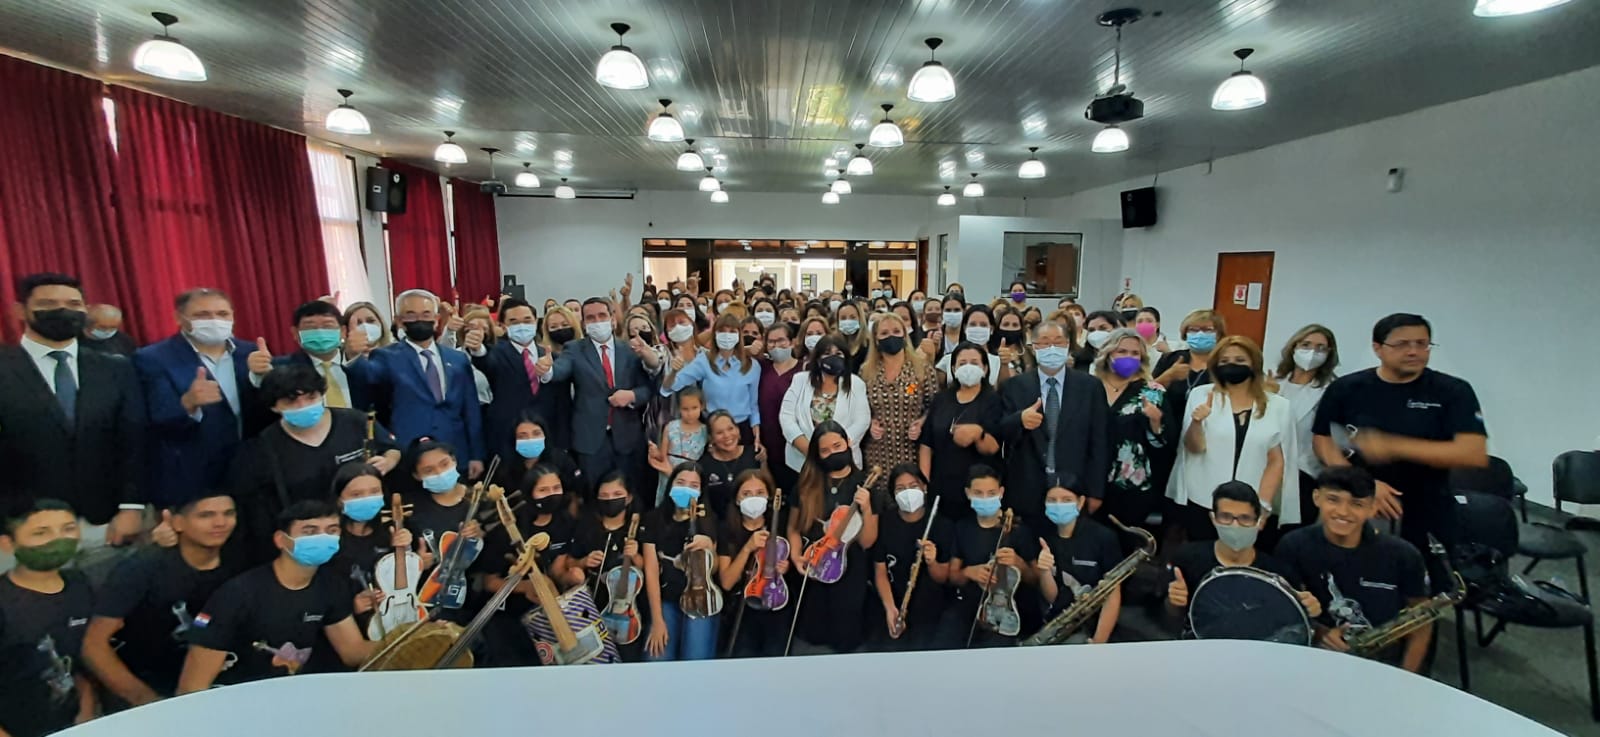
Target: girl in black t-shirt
x=955, y=436
x=726, y=456
x=358, y=488
x=900, y=544
x=543, y=509
x=598, y=545
x=533, y=448
x=832, y=615
x=745, y=534
x=667, y=537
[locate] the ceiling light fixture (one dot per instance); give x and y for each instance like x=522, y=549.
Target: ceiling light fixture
x=947, y=199
x=565, y=191
x=830, y=197
x=664, y=127
x=830, y=163
x=1110, y=140
x=690, y=160
x=450, y=152
x=1033, y=168
x=719, y=197
x=346, y=119
x=886, y=134
x=709, y=183
x=973, y=188
x=932, y=83
x=1241, y=90
x=860, y=165
x=620, y=68
x=841, y=186
x=1503, y=8
x=526, y=179
x=166, y=57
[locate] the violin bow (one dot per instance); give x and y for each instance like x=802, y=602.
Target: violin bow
x=594, y=589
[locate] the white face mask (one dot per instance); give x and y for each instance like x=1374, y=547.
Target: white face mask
x=680, y=333
x=780, y=355
x=373, y=331
x=909, y=500
x=664, y=304
x=753, y=507
x=599, y=332
x=833, y=306
x=765, y=318
x=1098, y=338
x=727, y=341
x=968, y=374
x=210, y=332
x=811, y=341
x=917, y=305
x=977, y=334
x=952, y=319
x=1309, y=360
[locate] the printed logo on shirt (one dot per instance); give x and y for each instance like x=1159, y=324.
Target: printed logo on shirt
x=1418, y=404
x=311, y=617
x=77, y=621
x=891, y=561
x=1344, y=610
x=1086, y=563
x=58, y=676
x=181, y=611
x=200, y=621
x=285, y=656
x=354, y=455
x=1381, y=586
x=1070, y=583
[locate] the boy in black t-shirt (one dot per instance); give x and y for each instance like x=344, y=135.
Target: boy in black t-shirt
x=43, y=614
x=149, y=603
x=977, y=538
x=900, y=543
x=1364, y=578
x=265, y=623
x=1073, y=558
x=1237, y=513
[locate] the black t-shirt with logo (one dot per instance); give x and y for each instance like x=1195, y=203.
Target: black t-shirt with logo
x=1364, y=586
x=590, y=534
x=270, y=629
x=669, y=536
x=719, y=476
x=1196, y=560
x=156, y=594
x=1081, y=560
x=498, y=552
x=899, y=544
x=41, y=644
x=975, y=544
x=1434, y=406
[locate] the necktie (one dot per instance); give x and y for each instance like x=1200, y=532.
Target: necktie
x=431, y=373
x=334, y=396
x=1052, y=413
x=527, y=365
x=66, y=386
x=611, y=381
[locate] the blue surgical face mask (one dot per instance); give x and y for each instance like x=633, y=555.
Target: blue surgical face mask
x=320, y=340
x=301, y=418
x=1051, y=357
x=849, y=327
x=1202, y=342
x=363, y=508
x=314, y=550
x=985, y=506
x=1061, y=513
x=683, y=496
x=440, y=483
x=530, y=447
x=522, y=334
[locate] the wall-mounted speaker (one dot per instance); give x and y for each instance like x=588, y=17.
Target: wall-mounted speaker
x=1139, y=208
x=386, y=190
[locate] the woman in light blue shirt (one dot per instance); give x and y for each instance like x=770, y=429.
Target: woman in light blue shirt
x=730, y=378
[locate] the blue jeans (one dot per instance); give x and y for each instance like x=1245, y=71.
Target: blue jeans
x=687, y=639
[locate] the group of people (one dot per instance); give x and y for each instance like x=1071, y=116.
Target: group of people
x=201, y=510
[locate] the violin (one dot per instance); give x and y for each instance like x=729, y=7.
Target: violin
x=998, y=612
x=702, y=597
x=825, y=558
x=397, y=574
x=766, y=590
x=623, y=583
x=899, y=627
x=566, y=628
x=447, y=584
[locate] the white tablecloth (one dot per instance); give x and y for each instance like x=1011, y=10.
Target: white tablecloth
x=1236, y=689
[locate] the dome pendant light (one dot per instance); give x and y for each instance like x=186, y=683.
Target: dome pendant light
x=830, y=197
x=690, y=160
x=709, y=183
x=860, y=165
x=620, y=68
x=166, y=57
x=1033, y=168
x=841, y=186
x=886, y=134
x=526, y=179
x=973, y=188
x=450, y=152
x=665, y=128
x=719, y=197
x=947, y=199
x=932, y=83
x=346, y=119
x=1241, y=90
x=565, y=191
x=1503, y=8
x=1110, y=140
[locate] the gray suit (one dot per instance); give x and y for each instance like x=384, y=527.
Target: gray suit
x=605, y=437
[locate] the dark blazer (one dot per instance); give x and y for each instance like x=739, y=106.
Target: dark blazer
x=513, y=394
x=1082, y=458
x=360, y=397
x=95, y=462
x=457, y=420
x=580, y=364
x=186, y=457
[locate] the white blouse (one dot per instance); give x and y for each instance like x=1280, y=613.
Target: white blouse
x=1196, y=475
x=1303, y=401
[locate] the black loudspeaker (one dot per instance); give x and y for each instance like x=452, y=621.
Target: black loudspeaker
x=1139, y=208
x=386, y=190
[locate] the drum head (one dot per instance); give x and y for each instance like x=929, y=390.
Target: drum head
x=1247, y=604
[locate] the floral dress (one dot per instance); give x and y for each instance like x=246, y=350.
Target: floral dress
x=681, y=447
x=896, y=405
x=1138, y=455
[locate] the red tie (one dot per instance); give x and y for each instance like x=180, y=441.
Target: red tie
x=611, y=381
x=527, y=364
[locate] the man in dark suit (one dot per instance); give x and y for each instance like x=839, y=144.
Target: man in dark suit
x=512, y=369
x=1053, y=424
x=321, y=330
x=432, y=386
x=71, y=420
x=610, y=386
x=201, y=399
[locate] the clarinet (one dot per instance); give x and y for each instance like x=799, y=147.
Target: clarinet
x=916, y=567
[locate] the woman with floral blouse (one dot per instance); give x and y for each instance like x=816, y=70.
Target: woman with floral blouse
x=1143, y=428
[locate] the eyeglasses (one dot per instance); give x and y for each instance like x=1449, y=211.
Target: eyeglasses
x=1408, y=345
x=1223, y=518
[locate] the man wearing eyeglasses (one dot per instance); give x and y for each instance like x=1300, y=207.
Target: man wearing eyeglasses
x=1406, y=424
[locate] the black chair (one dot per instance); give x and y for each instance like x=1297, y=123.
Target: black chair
x=1577, y=480
x=1496, y=479
x=1540, y=541
x=1487, y=537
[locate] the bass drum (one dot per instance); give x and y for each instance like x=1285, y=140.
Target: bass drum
x=1244, y=603
x=420, y=650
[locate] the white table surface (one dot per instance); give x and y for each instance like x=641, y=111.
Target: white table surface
x=1221, y=688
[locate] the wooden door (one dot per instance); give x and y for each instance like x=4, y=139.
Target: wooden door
x=1244, y=288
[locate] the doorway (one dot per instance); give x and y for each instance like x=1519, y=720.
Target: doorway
x=1244, y=289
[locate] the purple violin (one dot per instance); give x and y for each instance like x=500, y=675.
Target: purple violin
x=766, y=590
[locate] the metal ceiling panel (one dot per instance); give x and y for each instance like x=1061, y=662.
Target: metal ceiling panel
x=776, y=87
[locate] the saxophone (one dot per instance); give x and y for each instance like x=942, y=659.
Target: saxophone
x=1371, y=642
x=1057, y=630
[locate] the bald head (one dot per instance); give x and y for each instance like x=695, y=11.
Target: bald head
x=104, y=317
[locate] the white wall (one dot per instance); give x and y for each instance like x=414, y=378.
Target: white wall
x=1495, y=238
x=979, y=245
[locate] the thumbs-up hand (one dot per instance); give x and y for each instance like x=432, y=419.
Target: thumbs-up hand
x=1047, y=560
x=355, y=341
x=1204, y=410
x=163, y=534
x=260, y=360
x=1007, y=353
x=1152, y=412
x=1178, y=591
x=474, y=341
x=543, y=366
x=202, y=391
x=1033, y=416
x=454, y=321
x=929, y=347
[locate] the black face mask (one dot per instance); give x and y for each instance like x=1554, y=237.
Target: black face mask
x=749, y=340
x=832, y=365
x=58, y=324
x=836, y=462
x=1129, y=315
x=562, y=336
x=1232, y=373
x=892, y=345
x=648, y=337
x=1012, y=337
x=418, y=330
x=794, y=328
x=547, y=504
x=611, y=507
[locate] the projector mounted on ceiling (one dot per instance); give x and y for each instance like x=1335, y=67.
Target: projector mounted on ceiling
x=492, y=186
x=1117, y=104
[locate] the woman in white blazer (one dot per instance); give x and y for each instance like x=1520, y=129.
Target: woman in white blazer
x=1212, y=452
x=825, y=391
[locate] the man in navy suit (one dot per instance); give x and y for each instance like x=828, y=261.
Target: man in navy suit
x=432, y=387
x=512, y=369
x=200, y=397
x=609, y=388
x=321, y=330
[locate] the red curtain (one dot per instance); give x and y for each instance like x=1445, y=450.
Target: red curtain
x=55, y=186
x=419, y=251
x=207, y=199
x=477, y=242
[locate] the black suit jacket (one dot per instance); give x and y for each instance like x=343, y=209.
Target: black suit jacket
x=95, y=462
x=513, y=395
x=1082, y=458
x=580, y=364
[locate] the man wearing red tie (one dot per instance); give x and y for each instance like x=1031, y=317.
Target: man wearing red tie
x=609, y=388
x=511, y=366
